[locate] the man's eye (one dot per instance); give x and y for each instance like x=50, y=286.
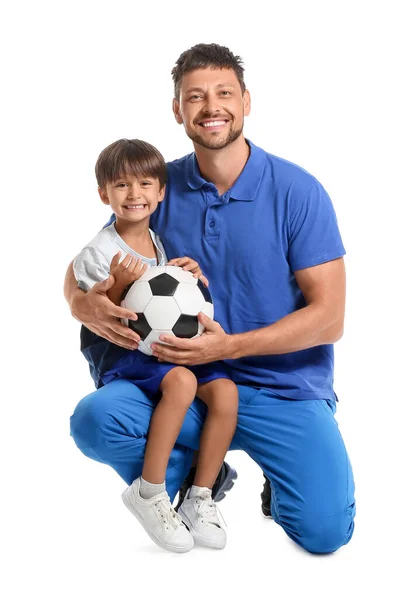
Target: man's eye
x=225, y=93
x=195, y=97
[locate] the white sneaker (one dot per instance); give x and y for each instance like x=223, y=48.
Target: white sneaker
x=158, y=518
x=201, y=515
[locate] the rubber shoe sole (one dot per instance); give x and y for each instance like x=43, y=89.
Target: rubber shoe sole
x=227, y=483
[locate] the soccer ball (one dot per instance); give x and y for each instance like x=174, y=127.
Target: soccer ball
x=166, y=300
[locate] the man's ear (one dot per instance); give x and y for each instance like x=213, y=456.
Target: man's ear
x=103, y=196
x=176, y=111
x=247, y=103
x=161, y=194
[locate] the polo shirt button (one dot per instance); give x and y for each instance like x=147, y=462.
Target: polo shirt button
x=212, y=224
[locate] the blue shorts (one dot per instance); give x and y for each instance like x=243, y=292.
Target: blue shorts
x=147, y=373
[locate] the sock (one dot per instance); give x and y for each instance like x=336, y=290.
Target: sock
x=195, y=490
x=148, y=490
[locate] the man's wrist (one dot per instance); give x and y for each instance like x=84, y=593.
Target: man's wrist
x=232, y=347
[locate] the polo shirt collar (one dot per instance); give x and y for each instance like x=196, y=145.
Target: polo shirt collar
x=246, y=186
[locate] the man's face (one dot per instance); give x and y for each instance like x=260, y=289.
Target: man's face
x=212, y=107
x=131, y=198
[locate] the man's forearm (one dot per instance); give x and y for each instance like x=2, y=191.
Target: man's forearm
x=311, y=326
x=71, y=289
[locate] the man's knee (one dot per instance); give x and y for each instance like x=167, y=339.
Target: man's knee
x=109, y=413
x=322, y=535
x=87, y=422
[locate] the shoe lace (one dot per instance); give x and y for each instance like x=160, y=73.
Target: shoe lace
x=167, y=513
x=208, y=510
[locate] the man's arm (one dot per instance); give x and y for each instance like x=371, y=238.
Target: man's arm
x=321, y=321
x=98, y=313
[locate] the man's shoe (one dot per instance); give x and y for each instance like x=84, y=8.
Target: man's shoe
x=159, y=519
x=200, y=514
x=266, y=499
x=224, y=482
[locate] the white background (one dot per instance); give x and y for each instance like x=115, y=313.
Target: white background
x=332, y=88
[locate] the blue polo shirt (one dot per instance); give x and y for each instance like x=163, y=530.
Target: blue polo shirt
x=275, y=220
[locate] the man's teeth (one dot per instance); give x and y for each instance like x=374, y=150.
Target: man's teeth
x=135, y=206
x=214, y=123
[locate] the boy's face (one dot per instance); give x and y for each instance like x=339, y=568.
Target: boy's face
x=131, y=198
x=212, y=107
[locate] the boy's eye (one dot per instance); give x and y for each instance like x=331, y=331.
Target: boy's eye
x=121, y=185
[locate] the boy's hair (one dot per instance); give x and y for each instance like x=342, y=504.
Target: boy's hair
x=130, y=157
x=202, y=56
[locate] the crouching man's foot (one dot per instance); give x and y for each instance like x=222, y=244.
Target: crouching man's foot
x=201, y=516
x=159, y=519
x=224, y=482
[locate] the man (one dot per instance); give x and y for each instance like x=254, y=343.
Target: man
x=265, y=234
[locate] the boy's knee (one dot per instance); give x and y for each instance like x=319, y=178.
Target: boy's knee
x=182, y=379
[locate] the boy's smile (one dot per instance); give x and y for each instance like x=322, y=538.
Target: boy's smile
x=131, y=198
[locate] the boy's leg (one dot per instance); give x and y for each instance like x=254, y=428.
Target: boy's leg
x=111, y=424
x=178, y=390
x=198, y=510
x=299, y=447
x=221, y=398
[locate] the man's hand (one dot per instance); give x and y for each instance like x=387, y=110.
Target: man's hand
x=188, y=264
x=100, y=315
x=213, y=344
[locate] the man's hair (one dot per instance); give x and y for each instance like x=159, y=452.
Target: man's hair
x=130, y=157
x=202, y=56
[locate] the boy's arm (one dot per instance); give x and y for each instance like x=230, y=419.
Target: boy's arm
x=98, y=313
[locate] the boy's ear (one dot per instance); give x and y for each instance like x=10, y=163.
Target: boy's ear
x=161, y=194
x=103, y=196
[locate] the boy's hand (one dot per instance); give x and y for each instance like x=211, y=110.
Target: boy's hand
x=127, y=271
x=188, y=264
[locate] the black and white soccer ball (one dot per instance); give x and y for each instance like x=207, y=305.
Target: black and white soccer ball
x=167, y=300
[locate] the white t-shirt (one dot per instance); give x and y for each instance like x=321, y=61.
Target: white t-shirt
x=93, y=262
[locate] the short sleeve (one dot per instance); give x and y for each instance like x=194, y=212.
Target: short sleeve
x=90, y=267
x=314, y=237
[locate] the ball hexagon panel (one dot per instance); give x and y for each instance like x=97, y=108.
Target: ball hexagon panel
x=162, y=312
x=139, y=299
x=189, y=298
x=207, y=309
x=163, y=285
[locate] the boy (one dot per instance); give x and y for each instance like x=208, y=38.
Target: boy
x=131, y=176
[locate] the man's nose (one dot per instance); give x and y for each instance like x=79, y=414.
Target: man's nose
x=212, y=104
